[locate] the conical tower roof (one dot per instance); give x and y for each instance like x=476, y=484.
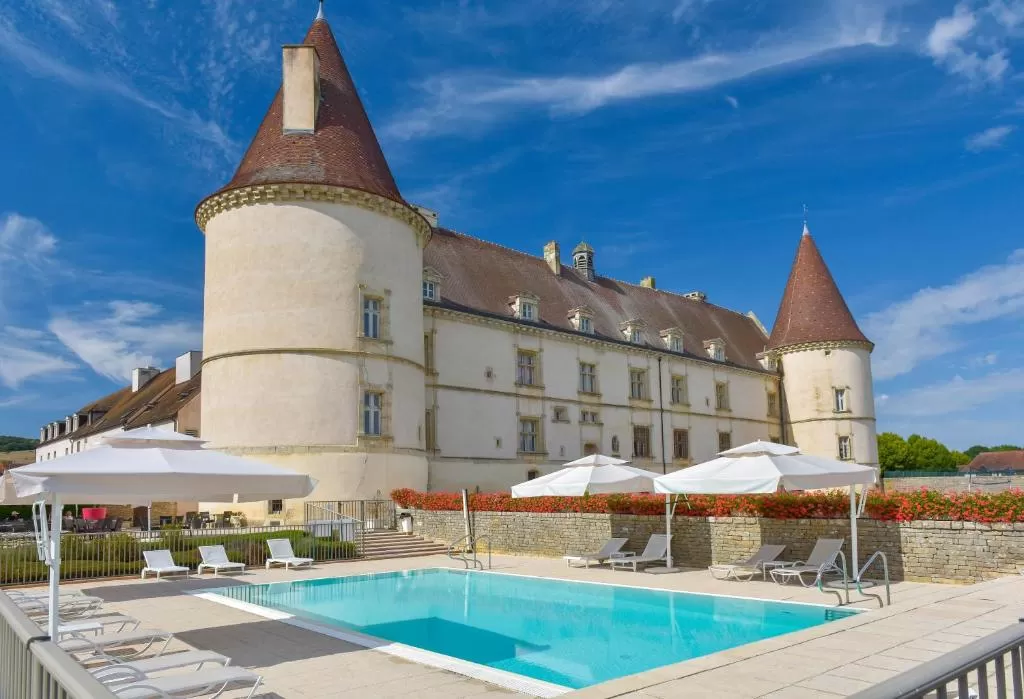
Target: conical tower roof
x=342, y=151
x=812, y=309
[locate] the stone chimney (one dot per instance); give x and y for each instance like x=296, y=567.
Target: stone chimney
x=300, y=88
x=187, y=365
x=142, y=376
x=552, y=256
x=648, y=283
x=42, y=434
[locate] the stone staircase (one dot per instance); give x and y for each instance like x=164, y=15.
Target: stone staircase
x=393, y=544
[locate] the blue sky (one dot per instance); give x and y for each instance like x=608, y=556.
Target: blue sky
x=680, y=137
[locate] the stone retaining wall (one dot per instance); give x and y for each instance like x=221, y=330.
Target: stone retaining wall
x=955, y=483
x=951, y=552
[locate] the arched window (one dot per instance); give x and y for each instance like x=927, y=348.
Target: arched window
x=615, y=445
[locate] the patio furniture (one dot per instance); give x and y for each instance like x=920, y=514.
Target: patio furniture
x=129, y=683
x=281, y=553
x=746, y=570
x=821, y=561
x=656, y=550
x=610, y=549
x=76, y=642
x=115, y=524
x=170, y=661
x=161, y=562
x=216, y=558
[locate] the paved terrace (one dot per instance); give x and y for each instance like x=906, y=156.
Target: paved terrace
x=835, y=659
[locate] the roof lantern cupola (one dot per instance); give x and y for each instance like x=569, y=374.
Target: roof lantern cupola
x=583, y=260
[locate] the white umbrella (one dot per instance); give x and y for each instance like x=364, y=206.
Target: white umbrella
x=765, y=467
x=597, y=460
x=144, y=465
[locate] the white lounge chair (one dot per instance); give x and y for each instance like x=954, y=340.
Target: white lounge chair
x=169, y=661
x=70, y=607
x=128, y=683
x=281, y=553
x=745, y=570
x=216, y=559
x=656, y=550
x=107, y=623
x=610, y=549
x=821, y=562
x=161, y=562
x=77, y=642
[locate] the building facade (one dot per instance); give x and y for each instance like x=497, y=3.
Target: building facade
x=350, y=336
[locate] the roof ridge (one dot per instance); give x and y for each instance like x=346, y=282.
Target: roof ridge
x=540, y=258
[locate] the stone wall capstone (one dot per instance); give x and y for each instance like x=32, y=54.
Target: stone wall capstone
x=924, y=551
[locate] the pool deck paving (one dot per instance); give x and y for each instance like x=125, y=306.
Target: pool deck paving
x=826, y=661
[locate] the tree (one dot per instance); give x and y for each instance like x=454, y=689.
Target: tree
x=980, y=448
x=928, y=454
x=960, y=458
x=10, y=443
x=893, y=453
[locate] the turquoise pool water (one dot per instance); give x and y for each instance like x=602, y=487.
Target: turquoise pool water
x=567, y=633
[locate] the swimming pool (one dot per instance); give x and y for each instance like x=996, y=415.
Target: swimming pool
x=570, y=634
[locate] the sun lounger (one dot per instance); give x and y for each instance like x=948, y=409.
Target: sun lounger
x=281, y=553
x=77, y=642
x=161, y=562
x=69, y=607
x=108, y=623
x=821, y=562
x=610, y=549
x=132, y=684
x=745, y=570
x=216, y=559
x=656, y=550
x=195, y=659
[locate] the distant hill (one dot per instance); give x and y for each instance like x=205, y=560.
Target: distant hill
x=9, y=443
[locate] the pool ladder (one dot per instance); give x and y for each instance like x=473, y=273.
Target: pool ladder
x=468, y=553
x=846, y=583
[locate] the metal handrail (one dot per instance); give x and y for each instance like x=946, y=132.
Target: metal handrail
x=957, y=666
x=885, y=573
x=477, y=540
x=471, y=542
x=461, y=557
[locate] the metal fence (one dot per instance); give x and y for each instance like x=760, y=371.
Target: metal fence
x=988, y=667
x=90, y=556
x=948, y=474
x=31, y=667
x=375, y=515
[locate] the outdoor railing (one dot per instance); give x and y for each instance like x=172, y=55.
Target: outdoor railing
x=33, y=668
x=987, y=668
x=376, y=515
x=90, y=556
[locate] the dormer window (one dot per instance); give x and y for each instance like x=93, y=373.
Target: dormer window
x=715, y=349
x=673, y=339
x=768, y=361
x=633, y=331
x=525, y=307
x=431, y=284
x=582, y=319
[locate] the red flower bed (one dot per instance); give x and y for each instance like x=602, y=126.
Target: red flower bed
x=1007, y=506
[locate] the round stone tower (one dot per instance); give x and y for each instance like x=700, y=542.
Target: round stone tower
x=313, y=317
x=825, y=360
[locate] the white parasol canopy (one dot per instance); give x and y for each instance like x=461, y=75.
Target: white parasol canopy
x=589, y=479
x=141, y=466
x=766, y=467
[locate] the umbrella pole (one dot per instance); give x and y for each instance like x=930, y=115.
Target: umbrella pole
x=853, y=533
x=55, y=524
x=668, y=530
x=149, y=517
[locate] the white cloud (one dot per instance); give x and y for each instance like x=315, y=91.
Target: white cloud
x=26, y=249
x=946, y=41
x=116, y=337
x=26, y=353
x=924, y=326
x=456, y=102
x=956, y=395
x=1009, y=14
x=733, y=102
x=988, y=139
x=988, y=359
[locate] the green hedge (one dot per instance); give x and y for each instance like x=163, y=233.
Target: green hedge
x=89, y=556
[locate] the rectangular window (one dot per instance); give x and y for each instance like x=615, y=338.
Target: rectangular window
x=773, y=404
x=840, y=400
x=675, y=343
x=560, y=414
x=428, y=351
x=638, y=384
x=429, y=290
x=527, y=311
x=526, y=368
x=373, y=404
x=529, y=440
x=371, y=317
x=589, y=416
x=721, y=395
x=641, y=442
x=718, y=353
x=275, y=507
x=679, y=393
x=724, y=441
x=586, y=325
x=681, y=444
x=634, y=336
x=845, y=450
x=588, y=378
x=430, y=430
